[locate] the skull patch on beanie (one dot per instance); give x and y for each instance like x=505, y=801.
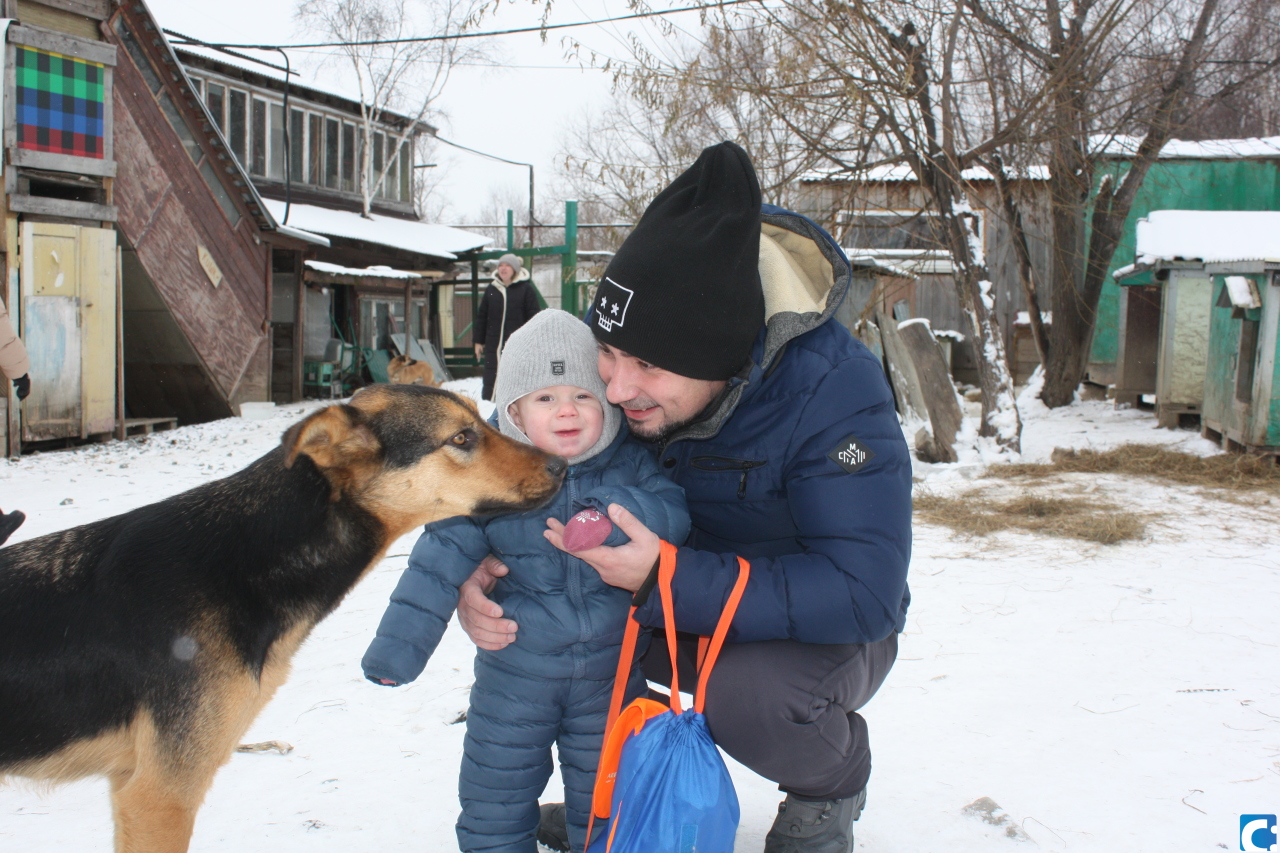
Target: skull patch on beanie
x=683, y=290
x=612, y=300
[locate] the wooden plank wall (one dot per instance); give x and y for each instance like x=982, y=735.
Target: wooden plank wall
x=166, y=213
x=934, y=295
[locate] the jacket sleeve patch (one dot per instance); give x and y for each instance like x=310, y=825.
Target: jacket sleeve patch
x=851, y=454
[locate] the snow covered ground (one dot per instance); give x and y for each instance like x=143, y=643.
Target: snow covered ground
x=1106, y=698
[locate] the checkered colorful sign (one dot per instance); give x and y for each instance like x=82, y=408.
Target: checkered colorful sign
x=60, y=103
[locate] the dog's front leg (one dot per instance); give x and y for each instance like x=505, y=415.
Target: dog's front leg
x=154, y=813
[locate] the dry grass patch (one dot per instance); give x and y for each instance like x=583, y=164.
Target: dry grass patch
x=1229, y=471
x=977, y=513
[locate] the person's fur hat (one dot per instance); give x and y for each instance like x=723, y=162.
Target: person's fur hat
x=553, y=348
x=683, y=291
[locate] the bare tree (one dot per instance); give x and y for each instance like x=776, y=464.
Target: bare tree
x=663, y=115
x=1125, y=75
x=863, y=83
x=407, y=75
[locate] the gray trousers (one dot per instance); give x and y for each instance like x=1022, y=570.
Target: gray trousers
x=788, y=710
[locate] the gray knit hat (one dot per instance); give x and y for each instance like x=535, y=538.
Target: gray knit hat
x=553, y=348
x=510, y=260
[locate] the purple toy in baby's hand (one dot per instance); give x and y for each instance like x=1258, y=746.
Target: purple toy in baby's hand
x=587, y=529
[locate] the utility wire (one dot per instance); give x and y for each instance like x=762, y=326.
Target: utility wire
x=538, y=29
x=439, y=138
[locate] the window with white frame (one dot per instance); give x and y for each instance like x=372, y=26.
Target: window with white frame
x=324, y=149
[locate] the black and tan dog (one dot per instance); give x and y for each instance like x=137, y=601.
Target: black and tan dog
x=142, y=646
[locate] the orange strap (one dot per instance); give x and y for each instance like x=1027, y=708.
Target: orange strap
x=666, y=571
x=722, y=629
x=622, y=724
x=626, y=660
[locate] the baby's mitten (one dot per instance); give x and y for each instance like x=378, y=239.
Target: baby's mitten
x=587, y=529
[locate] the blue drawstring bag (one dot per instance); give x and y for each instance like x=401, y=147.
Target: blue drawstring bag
x=661, y=783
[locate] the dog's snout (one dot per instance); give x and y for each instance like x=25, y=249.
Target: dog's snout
x=557, y=465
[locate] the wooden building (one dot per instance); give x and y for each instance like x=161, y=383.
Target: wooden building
x=1212, y=175
x=371, y=273
x=882, y=219
x=1218, y=296
x=155, y=264
x=137, y=253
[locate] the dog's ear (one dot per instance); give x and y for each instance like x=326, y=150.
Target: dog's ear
x=334, y=437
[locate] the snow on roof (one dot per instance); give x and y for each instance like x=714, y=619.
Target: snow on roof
x=908, y=263
x=367, y=272
x=902, y=172
x=304, y=236
x=865, y=263
x=1180, y=149
x=438, y=241
x=1213, y=236
x=1113, y=146
x=1243, y=292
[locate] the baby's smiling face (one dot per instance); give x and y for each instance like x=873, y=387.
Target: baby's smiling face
x=562, y=419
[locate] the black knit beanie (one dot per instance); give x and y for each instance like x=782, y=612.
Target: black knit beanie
x=683, y=292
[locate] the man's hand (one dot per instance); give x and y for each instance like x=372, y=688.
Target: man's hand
x=625, y=566
x=479, y=348
x=480, y=617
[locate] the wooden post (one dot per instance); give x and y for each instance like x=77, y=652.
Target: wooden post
x=120, y=431
x=408, y=316
x=299, y=327
x=433, y=331
x=475, y=302
x=13, y=299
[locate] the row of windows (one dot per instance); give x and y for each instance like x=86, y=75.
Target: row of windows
x=323, y=150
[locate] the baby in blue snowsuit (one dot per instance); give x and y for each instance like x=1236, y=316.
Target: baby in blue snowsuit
x=552, y=685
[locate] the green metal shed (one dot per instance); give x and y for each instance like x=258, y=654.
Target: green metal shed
x=1226, y=174
x=1225, y=267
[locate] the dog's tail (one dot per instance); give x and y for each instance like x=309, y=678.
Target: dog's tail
x=10, y=523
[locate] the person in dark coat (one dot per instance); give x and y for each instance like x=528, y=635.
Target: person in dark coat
x=716, y=327
x=554, y=683
x=508, y=303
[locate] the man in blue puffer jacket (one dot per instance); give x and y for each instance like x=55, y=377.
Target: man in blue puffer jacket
x=554, y=683
x=717, y=338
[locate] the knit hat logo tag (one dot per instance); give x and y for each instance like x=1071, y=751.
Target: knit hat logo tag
x=612, y=302
x=557, y=368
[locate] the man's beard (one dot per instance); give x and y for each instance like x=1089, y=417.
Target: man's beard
x=663, y=431
x=666, y=430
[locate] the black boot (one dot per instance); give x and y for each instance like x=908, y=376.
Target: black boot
x=10, y=523
x=807, y=826
x=553, y=827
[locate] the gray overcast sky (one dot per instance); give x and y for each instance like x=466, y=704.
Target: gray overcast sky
x=518, y=110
